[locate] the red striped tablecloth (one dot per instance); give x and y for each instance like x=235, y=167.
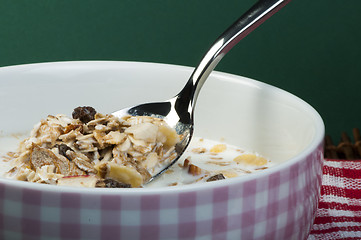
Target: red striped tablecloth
x=339, y=212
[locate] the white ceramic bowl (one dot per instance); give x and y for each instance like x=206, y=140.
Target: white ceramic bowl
x=277, y=203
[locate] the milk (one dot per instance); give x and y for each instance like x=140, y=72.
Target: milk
x=198, y=153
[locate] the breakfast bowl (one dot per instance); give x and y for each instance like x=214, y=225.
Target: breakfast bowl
x=275, y=203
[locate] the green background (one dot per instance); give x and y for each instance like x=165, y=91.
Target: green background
x=310, y=48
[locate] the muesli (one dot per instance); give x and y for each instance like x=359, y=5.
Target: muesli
x=94, y=150
x=99, y=150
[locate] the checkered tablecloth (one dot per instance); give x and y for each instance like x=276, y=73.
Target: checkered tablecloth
x=339, y=212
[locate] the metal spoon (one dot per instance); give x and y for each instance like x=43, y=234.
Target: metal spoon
x=178, y=111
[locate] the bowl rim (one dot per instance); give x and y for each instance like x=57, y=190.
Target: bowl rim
x=316, y=142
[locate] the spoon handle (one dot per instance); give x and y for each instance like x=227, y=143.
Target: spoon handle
x=250, y=20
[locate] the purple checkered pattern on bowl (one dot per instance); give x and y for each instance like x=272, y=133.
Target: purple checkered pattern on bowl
x=278, y=205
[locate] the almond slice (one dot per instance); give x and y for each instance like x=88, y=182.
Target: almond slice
x=250, y=159
x=218, y=148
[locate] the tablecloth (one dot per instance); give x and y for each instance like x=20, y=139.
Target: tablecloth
x=339, y=211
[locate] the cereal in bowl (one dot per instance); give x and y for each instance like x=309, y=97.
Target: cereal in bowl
x=94, y=150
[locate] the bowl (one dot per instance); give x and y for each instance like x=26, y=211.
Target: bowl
x=276, y=203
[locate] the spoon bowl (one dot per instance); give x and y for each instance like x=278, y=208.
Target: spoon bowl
x=178, y=111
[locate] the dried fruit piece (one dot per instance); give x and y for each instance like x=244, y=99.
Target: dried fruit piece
x=167, y=135
x=78, y=181
x=250, y=159
x=124, y=174
x=111, y=183
x=84, y=114
x=62, y=148
x=218, y=148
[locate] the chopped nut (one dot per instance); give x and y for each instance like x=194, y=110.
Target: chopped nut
x=219, y=163
x=216, y=177
x=199, y=150
x=186, y=163
x=102, y=169
x=261, y=168
x=194, y=170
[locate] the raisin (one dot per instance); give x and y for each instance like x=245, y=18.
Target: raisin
x=110, y=183
x=216, y=178
x=62, y=150
x=84, y=114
